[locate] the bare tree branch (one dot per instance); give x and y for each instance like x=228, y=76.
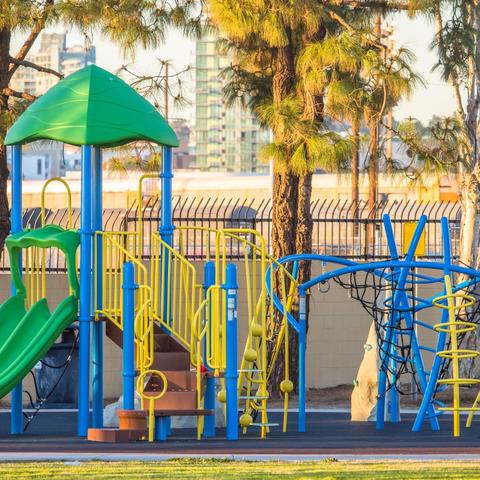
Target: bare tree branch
x=9, y=92
x=395, y=5
x=26, y=63
x=34, y=33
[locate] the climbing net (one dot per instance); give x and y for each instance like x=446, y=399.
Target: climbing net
x=395, y=312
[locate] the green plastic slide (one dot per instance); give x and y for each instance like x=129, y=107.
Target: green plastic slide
x=27, y=335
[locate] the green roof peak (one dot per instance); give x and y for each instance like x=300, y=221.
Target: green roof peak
x=91, y=107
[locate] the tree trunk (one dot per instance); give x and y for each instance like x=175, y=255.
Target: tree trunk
x=284, y=213
x=372, y=181
x=469, y=245
x=4, y=123
x=355, y=174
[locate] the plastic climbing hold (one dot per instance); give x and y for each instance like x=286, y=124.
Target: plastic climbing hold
x=246, y=420
x=256, y=330
x=286, y=386
x=250, y=355
x=222, y=396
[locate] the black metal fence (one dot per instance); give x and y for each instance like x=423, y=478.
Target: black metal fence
x=339, y=228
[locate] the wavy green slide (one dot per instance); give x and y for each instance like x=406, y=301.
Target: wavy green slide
x=27, y=335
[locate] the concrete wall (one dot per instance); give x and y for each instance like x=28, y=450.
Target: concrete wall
x=337, y=332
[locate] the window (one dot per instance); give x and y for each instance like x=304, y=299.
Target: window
x=39, y=166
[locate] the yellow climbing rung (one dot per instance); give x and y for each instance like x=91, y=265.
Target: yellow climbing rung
x=453, y=327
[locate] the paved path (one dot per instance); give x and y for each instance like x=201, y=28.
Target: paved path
x=330, y=434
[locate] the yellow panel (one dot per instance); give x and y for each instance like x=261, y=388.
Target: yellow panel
x=408, y=231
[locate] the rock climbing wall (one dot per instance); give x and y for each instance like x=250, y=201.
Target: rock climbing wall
x=364, y=394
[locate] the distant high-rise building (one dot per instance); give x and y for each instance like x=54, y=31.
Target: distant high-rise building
x=226, y=137
x=50, y=160
x=53, y=53
x=182, y=156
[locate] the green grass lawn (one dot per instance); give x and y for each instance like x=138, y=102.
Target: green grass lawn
x=225, y=470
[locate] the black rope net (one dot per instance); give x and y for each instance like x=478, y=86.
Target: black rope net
x=395, y=311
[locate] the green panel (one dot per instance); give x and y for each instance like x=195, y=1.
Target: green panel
x=46, y=237
x=91, y=107
x=27, y=336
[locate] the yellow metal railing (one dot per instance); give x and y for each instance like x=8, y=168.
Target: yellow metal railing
x=35, y=258
x=141, y=227
x=176, y=292
x=150, y=397
x=257, y=362
x=453, y=328
x=115, y=251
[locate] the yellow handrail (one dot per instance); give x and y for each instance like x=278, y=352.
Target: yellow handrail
x=151, y=398
x=256, y=261
x=114, y=256
x=140, y=210
x=69, y=199
x=35, y=258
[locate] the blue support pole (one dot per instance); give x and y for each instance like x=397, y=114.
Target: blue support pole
x=16, y=415
x=231, y=372
x=166, y=231
x=402, y=299
x=85, y=292
x=209, y=401
x=166, y=223
x=97, y=331
x=129, y=288
x=302, y=344
x=425, y=407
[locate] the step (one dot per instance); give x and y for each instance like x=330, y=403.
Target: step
x=114, y=435
x=177, y=412
x=114, y=333
x=162, y=341
x=166, y=343
x=165, y=361
x=178, y=380
x=186, y=400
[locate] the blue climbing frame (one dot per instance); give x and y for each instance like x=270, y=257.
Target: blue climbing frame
x=399, y=271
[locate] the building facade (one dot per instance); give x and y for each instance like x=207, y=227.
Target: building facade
x=52, y=53
x=227, y=138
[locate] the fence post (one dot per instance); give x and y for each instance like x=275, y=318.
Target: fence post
x=209, y=422
x=231, y=373
x=128, y=307
x=302, y=333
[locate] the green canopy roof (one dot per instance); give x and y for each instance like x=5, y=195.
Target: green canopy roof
x=91, y=107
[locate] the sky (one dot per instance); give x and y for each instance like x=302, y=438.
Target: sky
x=433, y=99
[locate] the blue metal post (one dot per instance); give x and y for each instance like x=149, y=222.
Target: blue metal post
x=231, y=372
x=426, y=405
x=129, y=288
x=16, y=415
x=85, y=291
x=401, y=300
x=166, y=224
x=209, y=402
x=97, y=331
x=166, y=230
x=302, y=345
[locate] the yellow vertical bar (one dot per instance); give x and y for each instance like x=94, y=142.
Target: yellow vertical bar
x=455, y=363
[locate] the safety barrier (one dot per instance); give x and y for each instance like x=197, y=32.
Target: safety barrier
x=35, y=259
x=267, y=332
x=115, y=248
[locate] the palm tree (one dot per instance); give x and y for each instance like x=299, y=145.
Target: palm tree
x=286, y=55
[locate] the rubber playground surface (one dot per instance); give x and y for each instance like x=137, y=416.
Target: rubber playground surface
x=329, y=434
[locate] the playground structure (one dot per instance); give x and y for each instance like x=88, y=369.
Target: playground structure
x=178, y=326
